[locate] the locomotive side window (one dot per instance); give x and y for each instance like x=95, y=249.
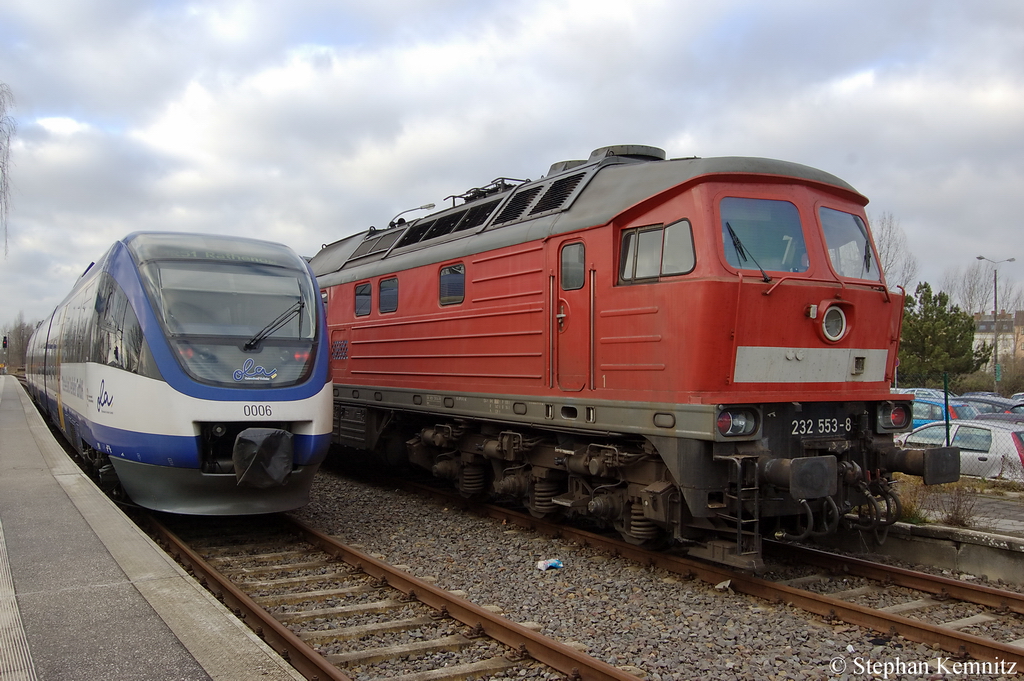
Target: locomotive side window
x=848, y=247
x=573, y=272
x=388, y=300
x=762, y=234
x=364, y=294
x=452, y=284
x=653, y=251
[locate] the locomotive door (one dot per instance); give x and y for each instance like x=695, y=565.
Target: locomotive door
x=572, y=318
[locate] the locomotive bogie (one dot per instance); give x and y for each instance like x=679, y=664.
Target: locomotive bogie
x=684, y=348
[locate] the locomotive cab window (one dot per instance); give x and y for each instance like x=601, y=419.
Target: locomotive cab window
x=656, y=251
x=364, y=295
x=573, y=270
x=849, y=249
x=762, y=234
x=388, y=299
x=452, y=284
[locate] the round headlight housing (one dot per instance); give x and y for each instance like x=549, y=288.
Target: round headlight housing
x=833, y=323
x=734, y=421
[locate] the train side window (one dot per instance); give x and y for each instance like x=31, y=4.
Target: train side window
x=452, y=284
x=573, y=272
x=364, y=295
x=388, y=298
x=655, y=250
x=677, y=255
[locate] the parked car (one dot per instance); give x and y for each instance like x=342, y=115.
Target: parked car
x=988, y=448
x=928, y=393
x=980, y=393
x=986, y=404
x=1017, y=397
x=928, y=410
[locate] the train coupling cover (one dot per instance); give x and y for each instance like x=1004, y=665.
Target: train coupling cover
x=935, y=465
x=263, y=457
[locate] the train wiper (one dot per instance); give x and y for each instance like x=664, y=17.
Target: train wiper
x=274, y=325
x=867, y=256
x=742, y=253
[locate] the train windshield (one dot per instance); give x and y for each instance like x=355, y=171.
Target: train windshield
x=848, y=246
x=763, y=234
x=236, y=312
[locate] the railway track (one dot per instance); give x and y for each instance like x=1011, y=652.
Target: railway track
x=960, y=618
x=337, y=613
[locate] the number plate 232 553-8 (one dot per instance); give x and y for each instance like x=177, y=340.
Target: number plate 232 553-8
x=821, y=426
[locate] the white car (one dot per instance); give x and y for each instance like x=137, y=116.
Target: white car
x=927, y=393
x=988, y=448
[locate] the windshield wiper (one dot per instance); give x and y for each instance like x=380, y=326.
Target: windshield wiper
x=867, y=256
x=274, y=325
x=742, y=253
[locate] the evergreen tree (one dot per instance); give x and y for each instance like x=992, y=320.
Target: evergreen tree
x=937, y=337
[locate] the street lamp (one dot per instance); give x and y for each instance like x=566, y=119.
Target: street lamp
x=394, y=220
x=995, y=318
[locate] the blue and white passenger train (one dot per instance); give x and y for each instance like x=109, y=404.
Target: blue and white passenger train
x=191, y=372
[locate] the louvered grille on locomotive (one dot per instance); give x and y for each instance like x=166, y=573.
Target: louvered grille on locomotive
x=517, y=205
x=557, y=193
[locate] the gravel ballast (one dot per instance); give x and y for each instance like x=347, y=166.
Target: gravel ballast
x=662, y=626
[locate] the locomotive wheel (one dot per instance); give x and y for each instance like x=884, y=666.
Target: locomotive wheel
x=660, y=541
x=556, y=514
x=391, y=453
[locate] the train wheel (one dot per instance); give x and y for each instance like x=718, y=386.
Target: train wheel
x=391, y=452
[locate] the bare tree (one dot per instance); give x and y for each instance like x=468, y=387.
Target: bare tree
x=18, y=335
x=973, y=288
x=7, y=127
x=898, y=263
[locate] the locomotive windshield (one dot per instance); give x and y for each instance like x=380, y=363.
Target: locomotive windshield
x=236, y=312
x=763, y=234
x=848, y=247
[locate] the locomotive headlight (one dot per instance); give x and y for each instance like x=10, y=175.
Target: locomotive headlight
x=833, y=323
x=734, y=422
x=893, y=416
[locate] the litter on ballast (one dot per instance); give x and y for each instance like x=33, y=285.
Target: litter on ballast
x=549, y=564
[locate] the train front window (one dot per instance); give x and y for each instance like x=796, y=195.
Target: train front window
x=849, y=249
x=235, y=313
x=762, y=234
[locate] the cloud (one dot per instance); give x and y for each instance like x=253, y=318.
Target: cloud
x=303, y=122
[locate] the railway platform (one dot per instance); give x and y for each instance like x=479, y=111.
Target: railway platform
x=84, y=594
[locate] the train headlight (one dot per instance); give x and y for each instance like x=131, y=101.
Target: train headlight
x=893, y=416
x=833, y=323
x=734, y=422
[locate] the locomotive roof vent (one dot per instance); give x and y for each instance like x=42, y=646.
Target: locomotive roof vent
x=563, y=166
x=639, y=152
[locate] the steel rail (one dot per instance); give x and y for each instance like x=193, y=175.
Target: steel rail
x=569, y=661
x=294, y=650
x=889, y=574
x=949, y=640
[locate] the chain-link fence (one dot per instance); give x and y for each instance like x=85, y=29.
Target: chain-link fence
x=988, y=449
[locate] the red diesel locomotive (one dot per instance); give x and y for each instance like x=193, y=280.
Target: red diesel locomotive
x=697, y=349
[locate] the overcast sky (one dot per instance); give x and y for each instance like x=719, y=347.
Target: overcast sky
x=303, y=121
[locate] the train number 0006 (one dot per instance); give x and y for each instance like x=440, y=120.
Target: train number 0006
x=251, y=410
x=820, y=426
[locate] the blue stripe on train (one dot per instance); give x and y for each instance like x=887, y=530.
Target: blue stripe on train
x=182, y=451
